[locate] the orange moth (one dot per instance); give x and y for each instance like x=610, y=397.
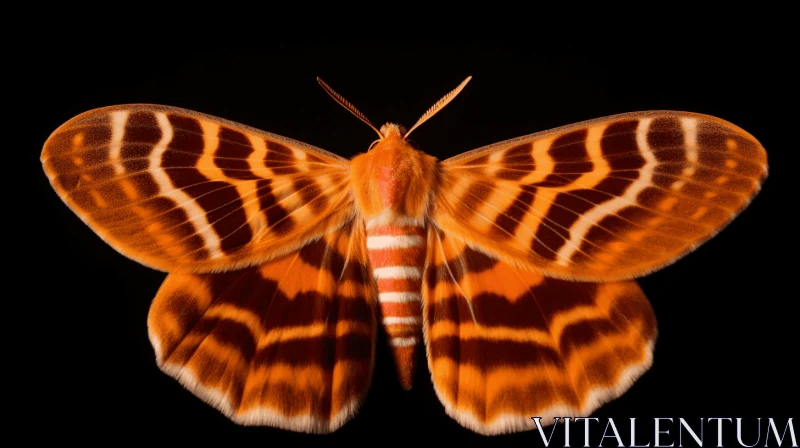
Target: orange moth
x=513, y=265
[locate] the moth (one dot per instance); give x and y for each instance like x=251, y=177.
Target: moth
x=512, y=266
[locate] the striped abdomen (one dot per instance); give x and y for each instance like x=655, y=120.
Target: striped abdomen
x=397, y=256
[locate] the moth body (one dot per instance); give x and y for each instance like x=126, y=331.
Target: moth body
x=393, y=182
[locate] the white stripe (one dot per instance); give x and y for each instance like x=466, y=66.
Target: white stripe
x=399, y=297
x=393, y=241
x=579, y=230
x=118, y=120
x=689, y=126
x=196, y=214
x=389, y=217
x=401, y=320
x=396, y=272
x=403, y=342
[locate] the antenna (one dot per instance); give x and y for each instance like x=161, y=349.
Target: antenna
x=439, y=105
x=346, y=104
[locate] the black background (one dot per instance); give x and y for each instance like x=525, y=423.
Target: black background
x=727, y=312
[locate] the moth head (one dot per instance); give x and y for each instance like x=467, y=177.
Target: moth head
x=392, y=130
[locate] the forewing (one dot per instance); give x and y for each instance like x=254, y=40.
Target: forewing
x=505, y=345
x=289, y=343
x=177, y=190
x=608, y=199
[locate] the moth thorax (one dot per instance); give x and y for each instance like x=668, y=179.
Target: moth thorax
x=393, y=176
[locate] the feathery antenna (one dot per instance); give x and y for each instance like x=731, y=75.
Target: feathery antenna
x=346, y=104
x=439, y=105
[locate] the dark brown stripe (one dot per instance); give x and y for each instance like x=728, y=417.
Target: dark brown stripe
x=519, y=162
x=619, y=138
x=670, y=155
x=357, y=272
x=586, y=332
x=482, y=160
x=264, y=298
x=323, y=351
x=232, y=153
x=636, y=214
x=475, y=196
x=232, y=333
x=323, y=256
x=142, y=132
x=508, y=221
x=674, y=169
x=557, y=180
x=311, y=193
x=67, y=182
x=546, y=242
x=483, y=352
x=187, y=135
x=280, y=159
x=93, y=136
x=620, y=149
x=570, y=160
x=135, y=156
x=142, y=127
x=535, y=308
x=311, y=158
x=570, y=147
x=184, y=308
x=615, y=225
x=314, y=253
x=180, y=159
x=665, y=138
x=144, y=183
x=567, y=207
x=473, y=261
x=278, y=219
x=224, y=210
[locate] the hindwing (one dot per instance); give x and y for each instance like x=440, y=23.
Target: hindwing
x=506, y=344
x=288, y=343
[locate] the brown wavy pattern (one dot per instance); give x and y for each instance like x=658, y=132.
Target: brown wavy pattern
x=178, y=190
x=505, y=345
x=289, y=343
x=608, y=199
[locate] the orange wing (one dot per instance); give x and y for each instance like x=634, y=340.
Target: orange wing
x=289, y=343
x=608, y=199
x=505, y=345
x=177, y=190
